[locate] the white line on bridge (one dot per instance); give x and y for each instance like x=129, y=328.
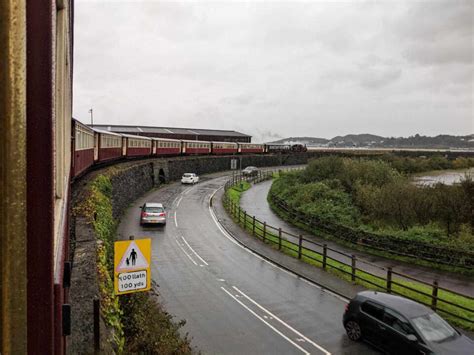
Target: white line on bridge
x=199, y=257
x=264, y=321
x=282, y=322
x=184, y=251
x=176, y=218
x=177, y=203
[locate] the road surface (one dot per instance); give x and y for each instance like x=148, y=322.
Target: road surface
x=233, y=301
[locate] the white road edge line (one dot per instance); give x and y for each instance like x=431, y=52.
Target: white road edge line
x=264, y=321
x=184, y=251
x=176, y=218
x=224, y=232
x=185, y=192
x=282, y=322
x=172, y=203
x=177, y=203
x=199, y=257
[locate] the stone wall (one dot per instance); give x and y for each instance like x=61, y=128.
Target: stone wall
x=130, y=180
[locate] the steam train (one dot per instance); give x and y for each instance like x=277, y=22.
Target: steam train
x=93, y=146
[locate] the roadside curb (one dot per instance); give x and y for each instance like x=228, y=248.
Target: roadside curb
x=269, y=259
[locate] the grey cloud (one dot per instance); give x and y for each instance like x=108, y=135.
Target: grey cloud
x=437, y=32
x=309, y=68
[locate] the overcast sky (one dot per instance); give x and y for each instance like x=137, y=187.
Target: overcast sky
x=278, y=69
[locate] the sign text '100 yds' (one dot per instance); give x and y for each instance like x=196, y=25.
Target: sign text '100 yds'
x=135, y=280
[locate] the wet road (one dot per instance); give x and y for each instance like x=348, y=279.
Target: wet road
x=234, y=302
x=254, y=201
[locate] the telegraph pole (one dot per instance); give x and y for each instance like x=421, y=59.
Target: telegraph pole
x=92, y=117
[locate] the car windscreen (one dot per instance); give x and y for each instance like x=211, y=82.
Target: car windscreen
x=154, y=209
x=433, y=327
x=187, y=175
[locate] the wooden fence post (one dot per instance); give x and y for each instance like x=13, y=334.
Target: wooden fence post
x=279, y=238
x=389, y=279
x=238, y=216
x=253, y=226
x=245, y=220
x=300, y=243
x=434, y=294
x=325, y=255
x=264, y=230
x=353, y=266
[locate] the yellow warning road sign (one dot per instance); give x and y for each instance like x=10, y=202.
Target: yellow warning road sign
x=132, y=259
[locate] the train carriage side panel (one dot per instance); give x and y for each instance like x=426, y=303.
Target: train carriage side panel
x=251, y=148
x=224, y=148
x=83, y=148
x=196, y=147
x=278, y=148
x=109, y=146
x=138, y=146
x=167, y=146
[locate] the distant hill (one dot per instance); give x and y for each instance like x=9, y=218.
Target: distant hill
x=373, y=141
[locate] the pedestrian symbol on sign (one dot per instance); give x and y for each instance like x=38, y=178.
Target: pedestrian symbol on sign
x=132, y=259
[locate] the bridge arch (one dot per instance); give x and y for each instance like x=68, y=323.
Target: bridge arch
x=161, y=176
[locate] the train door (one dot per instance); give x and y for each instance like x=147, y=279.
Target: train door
x=124, y=146
x=154, y=143
x=96, y=146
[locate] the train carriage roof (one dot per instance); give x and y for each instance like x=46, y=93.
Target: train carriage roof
x=106, y=132
x=219, y=142
x=193, y=141
x=165, y=139
x=135, y=137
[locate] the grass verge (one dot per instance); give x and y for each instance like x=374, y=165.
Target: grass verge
x=410, y=289
x=286, y=217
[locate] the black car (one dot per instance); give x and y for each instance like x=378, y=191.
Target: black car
x=401, y=326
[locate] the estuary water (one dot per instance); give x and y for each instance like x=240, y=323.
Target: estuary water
x=447, y=177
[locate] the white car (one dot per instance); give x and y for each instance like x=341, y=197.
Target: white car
x=189, y=178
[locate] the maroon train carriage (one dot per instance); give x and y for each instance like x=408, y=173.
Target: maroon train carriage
x=224, y=148
x=162, y=146
x=83, y=147
x=108, y=146
x=138, y=146
x=251, y=148
x=196, y=147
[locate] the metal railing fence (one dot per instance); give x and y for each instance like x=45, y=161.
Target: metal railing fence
x=457, y=305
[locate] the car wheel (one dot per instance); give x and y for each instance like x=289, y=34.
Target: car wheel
x=353, y=330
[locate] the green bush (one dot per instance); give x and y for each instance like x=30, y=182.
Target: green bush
x=374, y=195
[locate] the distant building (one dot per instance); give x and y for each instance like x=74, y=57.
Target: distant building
x=179, y=133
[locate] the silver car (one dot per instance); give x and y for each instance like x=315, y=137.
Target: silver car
x=152, y=213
